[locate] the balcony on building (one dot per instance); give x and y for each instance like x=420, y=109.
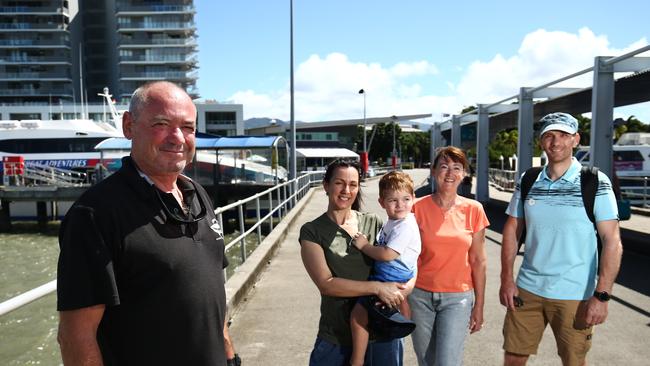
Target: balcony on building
x=30, y=27
x=162, y=25
x=34, y=10
x=34, y=76
x=30, y=59
x=126, y=9
x=44, y=90
x=128, y=86
x=34, y=43
x=160, y=75
x=158, y=59
x=146, y=41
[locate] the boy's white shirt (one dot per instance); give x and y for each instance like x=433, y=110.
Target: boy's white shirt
x=402, y=236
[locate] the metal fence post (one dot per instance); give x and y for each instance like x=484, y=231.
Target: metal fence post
x=279, y=203
x=259, y=217
x=271, y=211
x=645, y=191
x=242, y=228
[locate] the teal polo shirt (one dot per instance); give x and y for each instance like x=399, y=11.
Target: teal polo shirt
x=561, y=255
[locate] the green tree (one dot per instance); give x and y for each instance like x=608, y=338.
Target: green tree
x=631, y=124
x=415, y=146
x=382, y=142
x=504, y=144
x=468, y=109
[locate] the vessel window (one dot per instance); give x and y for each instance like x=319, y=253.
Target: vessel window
x=41, y=146
x=630, y=155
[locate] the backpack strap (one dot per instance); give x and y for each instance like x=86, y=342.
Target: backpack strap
x=589, y=187
x=524, y=188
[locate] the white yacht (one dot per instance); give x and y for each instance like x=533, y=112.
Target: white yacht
x=63, y=144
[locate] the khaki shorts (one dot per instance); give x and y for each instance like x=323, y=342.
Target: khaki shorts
x=524, y=327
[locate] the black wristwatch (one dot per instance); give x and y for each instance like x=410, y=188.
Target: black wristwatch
x=602, y=296
x=235, y=361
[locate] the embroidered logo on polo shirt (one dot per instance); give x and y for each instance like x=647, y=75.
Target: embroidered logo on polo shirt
x=531, y=202
x=216, y=228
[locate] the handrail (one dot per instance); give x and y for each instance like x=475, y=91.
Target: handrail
x=27, y=297
x=299, y=185
x=636, y=194
x=626, y=55
x=629, y=192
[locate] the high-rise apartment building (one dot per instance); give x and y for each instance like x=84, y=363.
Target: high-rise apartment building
x=52, y=49
x=35, y=51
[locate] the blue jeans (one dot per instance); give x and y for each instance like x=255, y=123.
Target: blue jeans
x=442, y=320
x=389, y=353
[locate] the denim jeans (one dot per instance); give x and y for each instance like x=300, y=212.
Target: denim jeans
x=442, y=320
x=389, y=353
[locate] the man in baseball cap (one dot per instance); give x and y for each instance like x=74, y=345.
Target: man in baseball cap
x=557, y=283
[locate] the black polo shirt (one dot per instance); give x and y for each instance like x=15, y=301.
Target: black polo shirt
x=160, y=279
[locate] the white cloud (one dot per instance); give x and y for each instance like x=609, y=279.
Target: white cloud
x=543, y=56
x=404, y=69
x=327, y=88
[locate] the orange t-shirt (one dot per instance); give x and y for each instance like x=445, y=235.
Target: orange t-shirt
x=443, y=265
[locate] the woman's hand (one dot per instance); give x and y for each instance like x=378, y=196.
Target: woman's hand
x=390, y=293
x=476, y=319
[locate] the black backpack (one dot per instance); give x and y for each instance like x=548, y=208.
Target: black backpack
x=588, y=188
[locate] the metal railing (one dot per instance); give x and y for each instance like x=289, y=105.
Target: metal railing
x=32, y=9
x=504, y=179
x=161, y=75
x=45, y=174
x=156, y=8
x=281, y=199
x=635, y=189
x=190, y=41
x=123, y=26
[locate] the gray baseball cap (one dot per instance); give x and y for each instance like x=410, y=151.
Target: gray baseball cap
x=559, y=122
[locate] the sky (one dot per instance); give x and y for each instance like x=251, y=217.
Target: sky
x=410, y=56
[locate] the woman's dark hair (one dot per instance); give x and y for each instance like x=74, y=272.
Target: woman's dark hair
x=341, y=163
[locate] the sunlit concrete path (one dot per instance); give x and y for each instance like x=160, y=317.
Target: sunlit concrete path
x=277, y=322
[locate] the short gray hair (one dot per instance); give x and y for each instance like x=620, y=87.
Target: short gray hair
x=140, y=96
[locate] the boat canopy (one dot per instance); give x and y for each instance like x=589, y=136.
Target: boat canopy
x=305, y=152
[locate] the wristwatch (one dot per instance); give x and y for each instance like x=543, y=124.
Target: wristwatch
x=235, y=361
x=602, y=296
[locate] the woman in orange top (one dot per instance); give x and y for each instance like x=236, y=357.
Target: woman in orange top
x=450, y=289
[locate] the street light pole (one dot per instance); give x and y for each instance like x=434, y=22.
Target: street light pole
x=365, y=149
x=394, y=157
x=364, y=153
x=292, y=162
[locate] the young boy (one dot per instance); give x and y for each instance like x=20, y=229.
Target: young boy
x=395, y=253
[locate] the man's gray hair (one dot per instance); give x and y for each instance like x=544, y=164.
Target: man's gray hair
x=140, y=96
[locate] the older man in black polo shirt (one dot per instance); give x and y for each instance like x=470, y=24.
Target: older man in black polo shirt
x=140, y=278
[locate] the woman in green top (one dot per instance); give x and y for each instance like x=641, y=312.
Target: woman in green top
x=340, y=271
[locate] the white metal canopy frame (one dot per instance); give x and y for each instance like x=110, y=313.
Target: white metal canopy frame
x=532, y=102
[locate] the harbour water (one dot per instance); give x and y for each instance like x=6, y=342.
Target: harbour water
x=28, y=259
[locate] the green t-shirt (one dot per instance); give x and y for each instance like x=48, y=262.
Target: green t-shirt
x=344, y=261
